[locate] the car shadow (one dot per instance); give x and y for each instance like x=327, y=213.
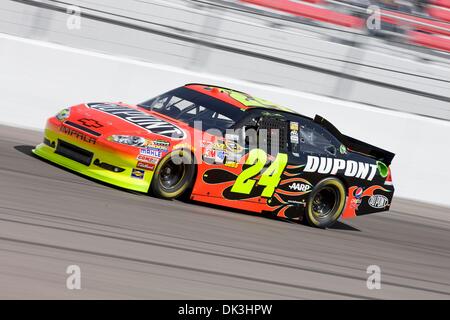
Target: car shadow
x=339, y=225
x=27, y=150
x=240, y=211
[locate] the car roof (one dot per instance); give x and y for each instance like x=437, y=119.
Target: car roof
x=239, y=99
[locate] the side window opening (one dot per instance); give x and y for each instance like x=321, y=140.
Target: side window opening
x=307, y=137
x=276, y=135
x=313, y=140
x=265, y=130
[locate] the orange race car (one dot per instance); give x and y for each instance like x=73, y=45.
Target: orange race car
x=227, y=148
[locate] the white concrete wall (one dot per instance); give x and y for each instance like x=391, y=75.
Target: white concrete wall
x=372, y=58
x=37, y=79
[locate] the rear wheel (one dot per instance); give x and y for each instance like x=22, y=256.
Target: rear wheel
x=173, y=175
x=325, y=203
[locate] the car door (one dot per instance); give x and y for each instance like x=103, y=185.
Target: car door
x=263, y=160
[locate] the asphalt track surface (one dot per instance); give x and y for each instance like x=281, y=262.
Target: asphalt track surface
x=132, y=246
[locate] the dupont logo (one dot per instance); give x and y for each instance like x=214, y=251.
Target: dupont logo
x=378, y=201
x=349, y=168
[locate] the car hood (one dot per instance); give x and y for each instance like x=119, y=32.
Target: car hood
x=123, y=119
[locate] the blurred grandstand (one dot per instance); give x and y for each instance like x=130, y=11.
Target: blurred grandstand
x=418, y=22
x=328, y=47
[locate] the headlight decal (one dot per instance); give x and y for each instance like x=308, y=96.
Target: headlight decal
x=134, y=141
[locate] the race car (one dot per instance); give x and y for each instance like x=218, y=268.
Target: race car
x=224, y=147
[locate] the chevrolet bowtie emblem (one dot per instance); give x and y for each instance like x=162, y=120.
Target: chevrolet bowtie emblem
x=90, y=123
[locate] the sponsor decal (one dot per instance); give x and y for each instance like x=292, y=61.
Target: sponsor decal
x=156, y=153
x=293, y=186
x=294, y=126
x=297, y=186
x=220, y=156
x=213, y=145
x=294, y=136
x=349, y=168
x=77, y=134
x=142, y=119
x=146, y=165
x=356, y=200
x=219, y=146
x=231, y=164
x=63, y=115
x=214, y=156
x=210, y=153
x=234, y=146
x=378, y=201
x=90, y=123
x=148, y=159
x=358, y=193
x=214, y=151
x=231, y=143
x=137, y=174
x=162, y=145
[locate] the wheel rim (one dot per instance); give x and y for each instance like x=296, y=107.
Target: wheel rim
x=324, y=202
x=171, y=175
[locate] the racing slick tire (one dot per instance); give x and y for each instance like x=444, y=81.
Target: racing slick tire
x=174, y=175
x=325, y=203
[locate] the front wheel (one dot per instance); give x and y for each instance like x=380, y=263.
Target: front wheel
x=325, y=203
x=173, y=175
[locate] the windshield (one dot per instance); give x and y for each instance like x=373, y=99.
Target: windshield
x=189, y=105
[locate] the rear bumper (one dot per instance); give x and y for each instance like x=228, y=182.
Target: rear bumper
x=98, y=161
x=373, y=199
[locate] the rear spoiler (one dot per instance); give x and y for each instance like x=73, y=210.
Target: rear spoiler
x=357, y=145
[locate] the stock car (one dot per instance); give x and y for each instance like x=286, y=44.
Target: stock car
x=194, y=142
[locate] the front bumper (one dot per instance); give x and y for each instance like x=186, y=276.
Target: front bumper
x=99, y=161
